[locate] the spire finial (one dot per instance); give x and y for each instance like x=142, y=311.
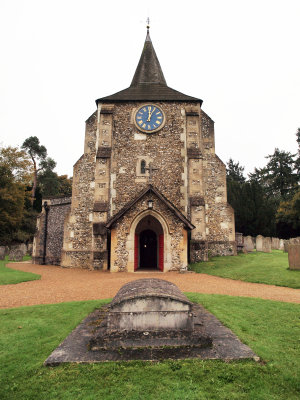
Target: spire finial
x=148, y=27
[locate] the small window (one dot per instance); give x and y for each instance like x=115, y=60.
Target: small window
x=143, y=167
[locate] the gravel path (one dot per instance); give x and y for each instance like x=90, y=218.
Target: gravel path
x=58, y=285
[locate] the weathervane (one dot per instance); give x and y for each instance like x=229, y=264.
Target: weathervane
x=148, y=24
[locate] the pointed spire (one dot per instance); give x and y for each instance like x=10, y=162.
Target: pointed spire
x=148, y=83
x=148, y=70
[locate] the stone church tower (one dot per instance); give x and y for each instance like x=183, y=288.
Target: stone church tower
x=149, y=190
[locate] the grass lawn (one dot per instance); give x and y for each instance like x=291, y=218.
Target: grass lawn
x=269, y=268
x=29, y=334
x=10, y=276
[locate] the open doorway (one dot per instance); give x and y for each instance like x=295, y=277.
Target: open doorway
x=149, y=247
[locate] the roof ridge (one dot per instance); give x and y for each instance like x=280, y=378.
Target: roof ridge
x=153, y=189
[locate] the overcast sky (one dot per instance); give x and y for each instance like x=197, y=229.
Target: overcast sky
x=241, y=57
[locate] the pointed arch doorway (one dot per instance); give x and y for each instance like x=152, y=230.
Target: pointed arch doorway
x=149, y=245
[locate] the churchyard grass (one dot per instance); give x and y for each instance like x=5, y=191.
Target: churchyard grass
x=10, y=276
x=29, y=334
x=257, y=267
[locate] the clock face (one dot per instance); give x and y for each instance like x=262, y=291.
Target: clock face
x=149, y=118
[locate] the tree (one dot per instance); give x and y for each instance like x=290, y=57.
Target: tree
x=65, y=185
x=11, y=203
x=254, y=212
x=17, y=162
x=14, y=176
x=51, y=184
x=234, y=171
x=38, y=154
x=297, y=162
x=288, y=216
x=278, y=177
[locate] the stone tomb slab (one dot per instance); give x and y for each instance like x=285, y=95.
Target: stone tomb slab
x=149, y=333
x=76, y=347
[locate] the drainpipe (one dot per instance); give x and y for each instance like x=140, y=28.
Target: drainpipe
x=47, y=208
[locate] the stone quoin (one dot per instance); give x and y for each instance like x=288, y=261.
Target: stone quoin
x=149, y=192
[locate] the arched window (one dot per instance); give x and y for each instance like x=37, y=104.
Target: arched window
x=143, y=167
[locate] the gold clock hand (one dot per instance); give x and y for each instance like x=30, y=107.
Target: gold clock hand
x=150, y=114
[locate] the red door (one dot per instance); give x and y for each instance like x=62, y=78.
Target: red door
x=161, y=252
x=136, y=252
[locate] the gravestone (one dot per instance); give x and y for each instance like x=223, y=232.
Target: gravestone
x=248, y=243
x=281, y=244
x=15, y=255
x=22, y=247
x=294, y=256
x=267, y=245
x=29, y=248
x=259, y=243
x=2, y=252
x=19, y=247
x=286, y=246
x=239, y=241
x=275, y=243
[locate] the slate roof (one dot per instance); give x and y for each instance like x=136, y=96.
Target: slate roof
x=155, y=191
x=148, y=83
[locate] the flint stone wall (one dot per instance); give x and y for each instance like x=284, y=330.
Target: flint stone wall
x=58, y=209
x=122, y=226
x=218, y=213
x=79, y=242
x=164, y=149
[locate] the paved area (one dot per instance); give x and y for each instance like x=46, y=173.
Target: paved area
x=59, y=285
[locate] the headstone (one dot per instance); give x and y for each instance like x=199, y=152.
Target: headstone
x=29, y=248
x=285, y=246
x=248, y=243
x=294, y=256
x=267, y=245
x=2, y=252
x=275, y=243
x=259, y=243
x=295, y=240
x=22, y=247
x=15, y=255
x=281, y=244
x=19, y=247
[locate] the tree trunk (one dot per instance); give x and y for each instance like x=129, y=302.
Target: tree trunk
x=34, y=182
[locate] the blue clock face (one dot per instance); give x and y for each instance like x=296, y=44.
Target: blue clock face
x=149, y=118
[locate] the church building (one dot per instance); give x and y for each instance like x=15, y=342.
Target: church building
x=149, y=192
